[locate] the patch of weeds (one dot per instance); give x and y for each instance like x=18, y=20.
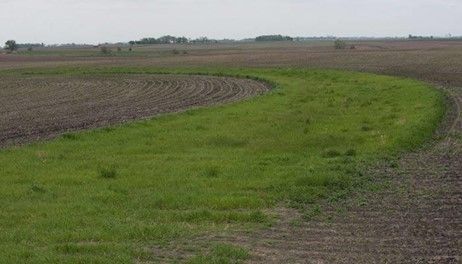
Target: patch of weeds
x=458, y=136
x=362, y=201
x=334, y=182
x=341, y=210
x=296, y=223
x=376, y=187
x=222, y=254
x=392, y=162
x=212, y=172
x=118, y=189
x=347, y=102
x=257, y=217
x=37, y=188
x=305, y=194
x=201, y=128
x=311, y=180
x=224, y=141
x=69, y=136
x=331, y=153
x=282, y=159
x=350, y=152
x=107, y=129
x=366, y=104
x=312, y=213
x=108, y=173
x=366, y=128
x=339, y=195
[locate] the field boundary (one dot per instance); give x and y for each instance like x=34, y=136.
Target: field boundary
x=243, y=92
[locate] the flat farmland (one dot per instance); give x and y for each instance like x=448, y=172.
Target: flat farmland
x=435, y=61
x=321, y=161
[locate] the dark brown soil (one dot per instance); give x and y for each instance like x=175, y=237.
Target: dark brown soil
x=33, y=108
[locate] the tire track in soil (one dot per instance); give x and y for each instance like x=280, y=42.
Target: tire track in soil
x=35, y=108
x=417, y=220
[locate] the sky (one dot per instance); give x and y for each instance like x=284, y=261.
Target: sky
x=98, y=21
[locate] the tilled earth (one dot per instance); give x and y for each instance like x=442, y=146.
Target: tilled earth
x=33, y=108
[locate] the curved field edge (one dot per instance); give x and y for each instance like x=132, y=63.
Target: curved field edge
x=115, y=194
x=43, y=107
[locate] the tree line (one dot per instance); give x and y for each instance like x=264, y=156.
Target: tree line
x=180, y=40
x=273, y=38
x=162, y=40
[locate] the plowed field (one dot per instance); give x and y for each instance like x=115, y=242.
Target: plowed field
x=41, y=107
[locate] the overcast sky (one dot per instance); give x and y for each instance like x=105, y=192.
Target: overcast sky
x=95, y=21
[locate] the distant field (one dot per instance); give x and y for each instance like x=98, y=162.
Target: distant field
x=435, y=61
x=119, y=192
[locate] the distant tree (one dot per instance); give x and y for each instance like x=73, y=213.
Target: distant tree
x=201, y=40
x=130, y=49
x=119, y=49
x=340, y=44
x=273, y=38
x=167, y=39
x=105, y=50
x=11, y=45
x=30, y=49
x=181, y=40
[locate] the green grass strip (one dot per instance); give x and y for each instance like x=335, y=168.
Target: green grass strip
x=107, y=195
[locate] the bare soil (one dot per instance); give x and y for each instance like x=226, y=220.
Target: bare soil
x=33, y=108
